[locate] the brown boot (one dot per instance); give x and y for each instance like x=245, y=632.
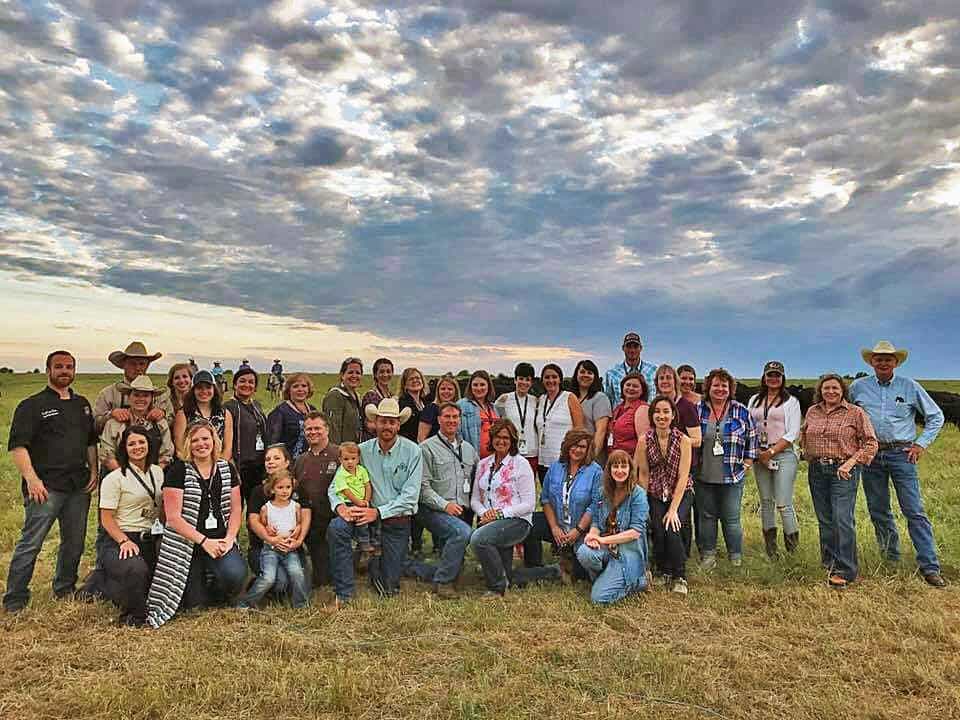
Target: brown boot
x=566, y=569
x=791, y=541
x=445, y=591
x=770, y=542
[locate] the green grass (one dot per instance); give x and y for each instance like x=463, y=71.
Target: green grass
x=767, y=640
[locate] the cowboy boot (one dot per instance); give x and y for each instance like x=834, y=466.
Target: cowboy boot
x=770, y=542
x=791, y=541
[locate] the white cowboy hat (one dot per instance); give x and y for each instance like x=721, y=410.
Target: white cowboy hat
x=135, y=349
x=142, y=383
x=388, y=408
x=884, y=347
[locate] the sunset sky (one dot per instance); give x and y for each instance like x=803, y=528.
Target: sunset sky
x=455, y=186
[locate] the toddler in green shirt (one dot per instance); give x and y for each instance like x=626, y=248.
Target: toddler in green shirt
x=352, y=486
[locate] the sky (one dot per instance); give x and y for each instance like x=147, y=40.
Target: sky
x=471, y=184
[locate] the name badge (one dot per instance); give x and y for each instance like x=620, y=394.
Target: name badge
x=717, y=449
x=610, y=441
x=522, y=447
x=543, y=438
x=259, y=443
x=466, y=486
x=157, y=528
x=332, y=467
x=211, y=522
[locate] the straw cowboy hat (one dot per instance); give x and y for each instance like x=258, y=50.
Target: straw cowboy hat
x=884, y=347
x=142, y=383
x=388, y=408
x=136, y=349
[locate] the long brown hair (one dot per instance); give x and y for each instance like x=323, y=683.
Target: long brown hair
x=609, y=485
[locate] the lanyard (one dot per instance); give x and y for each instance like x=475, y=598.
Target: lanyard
x=522, y=413
x=493, y=471
x=151, y=491
x=718, y=417
x=458, y=451
x=548, y=410
x=209, y=481
x=567, y=488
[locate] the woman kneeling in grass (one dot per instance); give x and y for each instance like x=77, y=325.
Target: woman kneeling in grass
x=613, y=551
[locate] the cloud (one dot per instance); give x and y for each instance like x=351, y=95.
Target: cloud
x=458, y=177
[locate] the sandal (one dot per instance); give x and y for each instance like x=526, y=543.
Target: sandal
x=837, y=582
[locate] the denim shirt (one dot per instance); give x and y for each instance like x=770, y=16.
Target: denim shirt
x=582, y=491
x=470, y=422
x=894, y=408
x=631, y=515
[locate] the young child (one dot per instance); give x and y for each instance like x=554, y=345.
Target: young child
x=352, y=486
x=282, y=517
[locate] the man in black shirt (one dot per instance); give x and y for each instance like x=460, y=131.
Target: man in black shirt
x=53, y=443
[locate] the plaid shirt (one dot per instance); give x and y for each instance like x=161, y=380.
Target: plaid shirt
x=842, y=433
x=739, y=438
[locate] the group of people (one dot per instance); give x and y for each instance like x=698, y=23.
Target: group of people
x=634, y=468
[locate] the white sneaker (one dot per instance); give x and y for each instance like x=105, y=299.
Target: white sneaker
x=708, y=562
x=680, y=586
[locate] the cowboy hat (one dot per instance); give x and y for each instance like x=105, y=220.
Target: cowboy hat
x=142, y=383
x=388, y=408
x=136, y=349
x=884, y=347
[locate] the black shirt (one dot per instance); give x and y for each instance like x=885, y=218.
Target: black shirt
x=248, y=422
x=255, y=504
x=56, y=434
x=411, y=427
x=176, y=475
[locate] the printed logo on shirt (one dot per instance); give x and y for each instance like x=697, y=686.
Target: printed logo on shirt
x=51, y=413
x=86, y=409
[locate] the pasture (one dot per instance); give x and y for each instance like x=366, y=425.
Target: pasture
x=764, y=640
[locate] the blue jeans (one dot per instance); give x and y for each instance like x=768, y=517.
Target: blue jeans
x=776, y=492
x=70, y=511
x=449, y=532
x=383, y=571
x=835, y=502
x=893, y=465
x=607, y=573
x=270, y=563
x=229, y=572
x=721, y=503
x=493, y=545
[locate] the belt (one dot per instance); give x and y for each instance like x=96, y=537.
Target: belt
x=828, y=461
x=895, y=444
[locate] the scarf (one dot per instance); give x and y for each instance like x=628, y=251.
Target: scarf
x=176, y=551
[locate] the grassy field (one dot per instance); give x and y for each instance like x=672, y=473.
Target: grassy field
x=765, y=640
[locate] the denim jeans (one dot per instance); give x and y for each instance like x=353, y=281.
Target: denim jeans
x=720, y=503
x=776, y=492
x=669, y=550
x=835, y=502
x=270, y=561
x=450, y=532
x=384, y=570
x=892, y=464
x=493, y=545
x=229, y=572
x=70, y=511
x=609, y=579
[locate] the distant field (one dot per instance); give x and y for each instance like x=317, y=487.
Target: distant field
x=767, y=640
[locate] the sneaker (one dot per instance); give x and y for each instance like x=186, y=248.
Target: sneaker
x=936, y=580
x=445, y=591
x=680, y=586
x=708, y=562
x=736, y=560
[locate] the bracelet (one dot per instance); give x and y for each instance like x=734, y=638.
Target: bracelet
x=203, y=539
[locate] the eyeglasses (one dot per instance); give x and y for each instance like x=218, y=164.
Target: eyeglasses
x=505, y=438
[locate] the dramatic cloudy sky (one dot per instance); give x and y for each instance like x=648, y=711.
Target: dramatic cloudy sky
x=457, y=185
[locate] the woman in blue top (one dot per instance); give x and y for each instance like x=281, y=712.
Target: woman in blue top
x=568, y=490
x=614, y=552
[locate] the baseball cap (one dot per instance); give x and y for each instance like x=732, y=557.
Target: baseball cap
x=632, y=337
